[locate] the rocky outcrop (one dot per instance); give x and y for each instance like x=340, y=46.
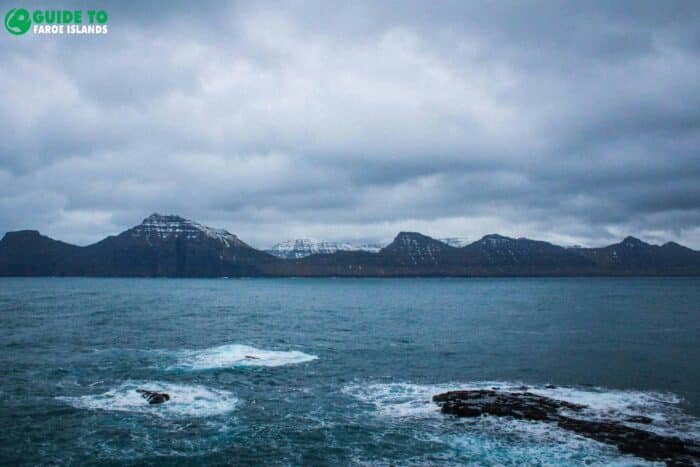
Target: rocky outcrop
x=528, y=406
x=521, y=405
x=154, y=397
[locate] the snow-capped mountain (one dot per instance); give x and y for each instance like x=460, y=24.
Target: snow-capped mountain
x=302, y=247
x=163, y=227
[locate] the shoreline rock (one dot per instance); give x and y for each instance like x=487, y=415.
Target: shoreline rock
x=529, y=406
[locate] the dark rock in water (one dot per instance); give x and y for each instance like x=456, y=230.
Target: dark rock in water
x=550, y=386
x=522, y=405
x=529, y=406
x=154, y=397
x=651, y=446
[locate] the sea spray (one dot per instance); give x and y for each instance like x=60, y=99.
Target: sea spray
x=237, y=356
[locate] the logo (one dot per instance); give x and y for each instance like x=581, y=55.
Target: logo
x=17, y=21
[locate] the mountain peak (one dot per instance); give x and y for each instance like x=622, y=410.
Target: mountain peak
x=632, y=242
x=673, y=245
x=157, y=217
x=413, y=239
x=407, y=235
x=164, y=226
x=416, y=248
x=21, y=235
x=495, y=239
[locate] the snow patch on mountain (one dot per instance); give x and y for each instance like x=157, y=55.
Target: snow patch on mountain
x=302, y=247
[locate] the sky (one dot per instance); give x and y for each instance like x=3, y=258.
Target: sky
x=571, y=122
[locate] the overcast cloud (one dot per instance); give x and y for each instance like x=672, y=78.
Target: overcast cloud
x=574, y=122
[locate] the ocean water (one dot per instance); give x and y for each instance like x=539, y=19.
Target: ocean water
x=344, y=369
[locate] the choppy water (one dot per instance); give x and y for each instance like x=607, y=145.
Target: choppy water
x=343, y=370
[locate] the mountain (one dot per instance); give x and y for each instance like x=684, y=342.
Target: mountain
x=521, y=255
x=171, y=246
x=415, y=254
x=632, y=255
x=160, y=246
x=302, y=247
x=28, y=253
x=415, y=249
x=157, y=227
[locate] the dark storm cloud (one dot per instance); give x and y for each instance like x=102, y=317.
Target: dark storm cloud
x=572, y=122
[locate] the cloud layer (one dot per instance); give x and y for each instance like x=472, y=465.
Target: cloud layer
x=572, y=123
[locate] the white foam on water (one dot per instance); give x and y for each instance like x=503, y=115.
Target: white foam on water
x=505, y=441
x=238, y=356
x=405, y=399
x=515, y=442
x=619, y=405
x=185, y=400
x=399, y=399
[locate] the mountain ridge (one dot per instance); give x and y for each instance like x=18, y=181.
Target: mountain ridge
x=173, y=246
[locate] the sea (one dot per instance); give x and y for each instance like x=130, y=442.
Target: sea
x=336, y=371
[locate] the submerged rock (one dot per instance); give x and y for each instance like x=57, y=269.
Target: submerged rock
x=529, y=406
x=154, y=397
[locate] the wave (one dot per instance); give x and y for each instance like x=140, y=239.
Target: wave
x=237, y=356
x=504, y=441
x=185, y=400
